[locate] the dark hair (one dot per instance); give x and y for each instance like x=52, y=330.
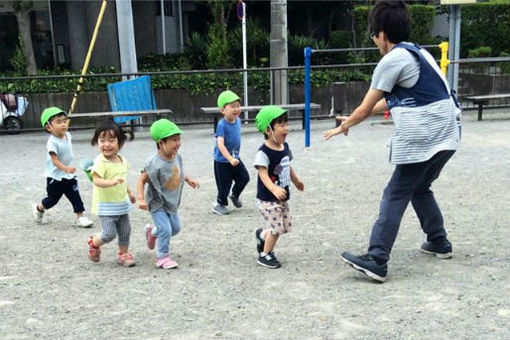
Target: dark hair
x=51, y=119
x=392, y=18
x=110, y=128
x=284, y=118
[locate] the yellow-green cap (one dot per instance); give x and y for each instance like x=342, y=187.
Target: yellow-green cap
x=266, y=115
x=50, y=112
x=163, y=128
x=227, y=97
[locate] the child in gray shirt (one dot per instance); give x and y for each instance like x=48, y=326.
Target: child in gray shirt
x=164, y=177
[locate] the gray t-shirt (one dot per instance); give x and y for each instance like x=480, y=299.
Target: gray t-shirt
x=423, y=126
x=63, y=148
x=399, y=67
x=164, y=187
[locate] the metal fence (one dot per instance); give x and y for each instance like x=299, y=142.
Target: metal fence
x=477, y=77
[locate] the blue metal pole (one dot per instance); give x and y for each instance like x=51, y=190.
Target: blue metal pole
x=308, y=56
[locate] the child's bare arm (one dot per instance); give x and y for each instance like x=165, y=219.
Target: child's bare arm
x=221, y=146
x=277, y=191
x=60, y=165
x=192, y=183
x=295, y=179
x=142, y=180
x=105, y=183
x=132, y=197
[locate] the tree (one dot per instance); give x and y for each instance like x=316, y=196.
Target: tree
x=22, y=11
x=217, y=49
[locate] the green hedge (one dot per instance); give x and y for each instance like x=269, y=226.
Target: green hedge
x=422, y=17
x=486, y=24
x=194, y=83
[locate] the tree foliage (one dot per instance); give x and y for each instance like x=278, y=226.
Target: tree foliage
x=486, y=24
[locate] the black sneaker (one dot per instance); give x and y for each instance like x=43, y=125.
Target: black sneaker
x=260, y=241
x=442, y=250
x=269, y=261
x=368, y=265
x=236, y=201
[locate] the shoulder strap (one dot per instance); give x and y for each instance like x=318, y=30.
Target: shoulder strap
x=428, y=57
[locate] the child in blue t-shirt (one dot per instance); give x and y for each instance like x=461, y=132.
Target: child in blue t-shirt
x=275, y=175
x=60, y=175
x=228, y=166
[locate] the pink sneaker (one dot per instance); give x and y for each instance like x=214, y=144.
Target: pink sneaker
x=151, y=240
x=94, y=252
x=166, y=263
x=125, y=259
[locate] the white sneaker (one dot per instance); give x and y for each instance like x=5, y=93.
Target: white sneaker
x=84, y=222
x=38, y=215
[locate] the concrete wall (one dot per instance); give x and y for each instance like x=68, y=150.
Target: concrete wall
x=186, y=107
x=477, y=84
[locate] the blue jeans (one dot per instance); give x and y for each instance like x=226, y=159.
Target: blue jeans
x=167, y=225
x=409, y=183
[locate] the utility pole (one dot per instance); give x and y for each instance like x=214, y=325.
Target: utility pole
x=126, y=32
x=279, y=52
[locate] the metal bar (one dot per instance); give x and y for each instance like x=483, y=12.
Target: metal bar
x=89, y=55
x=308, y=56
x=360, y=49
x=163, y=35
x=53, y=46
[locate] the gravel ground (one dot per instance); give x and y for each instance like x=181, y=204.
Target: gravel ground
x=50, y=290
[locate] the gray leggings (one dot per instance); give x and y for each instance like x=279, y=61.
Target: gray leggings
x=113, y=225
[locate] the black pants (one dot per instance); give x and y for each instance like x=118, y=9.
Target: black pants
x=225, y=173
x=56, y=189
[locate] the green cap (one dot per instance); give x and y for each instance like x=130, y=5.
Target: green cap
x=86, y=165
x=266, y=115
x=50, y=112
x=227, y=97
x=163, y=128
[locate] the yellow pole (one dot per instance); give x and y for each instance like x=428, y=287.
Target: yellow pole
x=89, y=55
x=444, y=56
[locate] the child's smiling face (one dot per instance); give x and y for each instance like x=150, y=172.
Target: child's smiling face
x=108, y=144
x=170, y=146
x=231, y=111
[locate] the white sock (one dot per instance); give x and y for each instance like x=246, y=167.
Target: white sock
x=263, y=254
x=262, y=235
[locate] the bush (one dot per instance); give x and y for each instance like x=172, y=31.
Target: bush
x=296, y=47
x=154, y=62
x=485, y=24
x=257, y=41
x=480, y=52
x=422, y=18
x=17, y=61
x=340, y=39
x=505, y=66
x=217, y=48
x=195, y=51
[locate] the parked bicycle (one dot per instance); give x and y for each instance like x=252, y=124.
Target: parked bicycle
x=12, y=107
